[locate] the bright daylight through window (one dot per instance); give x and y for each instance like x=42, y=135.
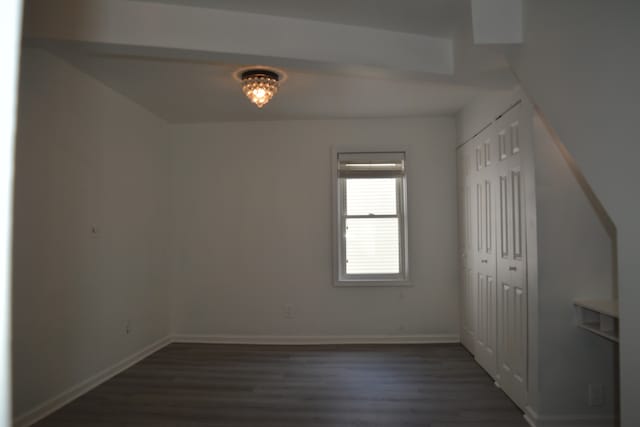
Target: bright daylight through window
x=371, y=217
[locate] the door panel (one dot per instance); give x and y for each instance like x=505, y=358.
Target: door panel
x=516, y=210
x=504, y=218
x=484, y=180
x=479, y=214
x=488, y=218
x=466, y=167
x=515, y=137
x=502, y=145
x=511, y=266
x=479, y=157
x=493, y=273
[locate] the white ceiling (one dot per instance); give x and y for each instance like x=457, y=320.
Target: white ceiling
x=431, y=17
x=189, y=89
x=185, y=91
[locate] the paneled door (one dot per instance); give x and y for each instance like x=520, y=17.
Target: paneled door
x=484, y=191
x=512, y=298
x=465, y=227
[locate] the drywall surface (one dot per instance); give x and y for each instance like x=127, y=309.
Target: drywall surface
x=580, y=65
x=575, y=260
x=253, y=231
x=86, y=157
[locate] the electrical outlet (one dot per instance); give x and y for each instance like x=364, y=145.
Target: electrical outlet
x=288, y=311
x=596, y=395
x=127, y=327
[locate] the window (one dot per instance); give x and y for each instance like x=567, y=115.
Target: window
x=371, y=218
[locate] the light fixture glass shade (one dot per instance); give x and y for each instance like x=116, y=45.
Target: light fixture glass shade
x=259, y=86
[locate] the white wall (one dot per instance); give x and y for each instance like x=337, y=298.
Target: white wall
x=575, y=260
x=85, y=156
x=252, y=230
x=580, y=65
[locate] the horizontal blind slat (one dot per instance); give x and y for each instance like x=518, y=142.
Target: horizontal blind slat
x=371, y=196
x=372, y=246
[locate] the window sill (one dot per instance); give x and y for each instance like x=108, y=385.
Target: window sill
x=372, y=283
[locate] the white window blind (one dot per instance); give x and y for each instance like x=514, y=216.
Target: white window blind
x=372, y=223
x=372, y=246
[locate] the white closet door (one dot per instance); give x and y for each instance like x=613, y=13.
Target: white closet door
x=467, y=288
x=512, y=347
x=485, y=151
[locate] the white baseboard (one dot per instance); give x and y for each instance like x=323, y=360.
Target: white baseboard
x=55, y=403
x=317, y=339
x=570, y=420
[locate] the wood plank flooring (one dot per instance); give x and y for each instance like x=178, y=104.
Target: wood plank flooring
x=194, y=385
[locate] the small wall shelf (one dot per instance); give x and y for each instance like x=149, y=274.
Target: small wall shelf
x=599, y=316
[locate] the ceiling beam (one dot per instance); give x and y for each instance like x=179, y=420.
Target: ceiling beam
x=140, y=25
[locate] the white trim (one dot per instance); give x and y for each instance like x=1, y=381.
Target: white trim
x=404, y=279
x=72, y=393
x=363, y=283
x=569, y=420
x=10, y=36
x=318, y=339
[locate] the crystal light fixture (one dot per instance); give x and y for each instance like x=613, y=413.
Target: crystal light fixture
x=259, y=85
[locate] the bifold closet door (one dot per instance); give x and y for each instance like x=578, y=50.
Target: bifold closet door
x=512, y=320
x=465, y=227
x=484, y=195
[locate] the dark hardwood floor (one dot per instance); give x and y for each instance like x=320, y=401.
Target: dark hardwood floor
x=194, y=385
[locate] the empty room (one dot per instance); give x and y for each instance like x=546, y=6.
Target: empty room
x=320, y=213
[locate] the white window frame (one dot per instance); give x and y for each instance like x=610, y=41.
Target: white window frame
x=339, y=222
x=10, y=36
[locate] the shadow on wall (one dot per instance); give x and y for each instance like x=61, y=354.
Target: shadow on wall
x=608, y=226
x=599, y=209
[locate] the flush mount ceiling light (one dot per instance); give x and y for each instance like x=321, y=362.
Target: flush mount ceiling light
x=260, y=84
